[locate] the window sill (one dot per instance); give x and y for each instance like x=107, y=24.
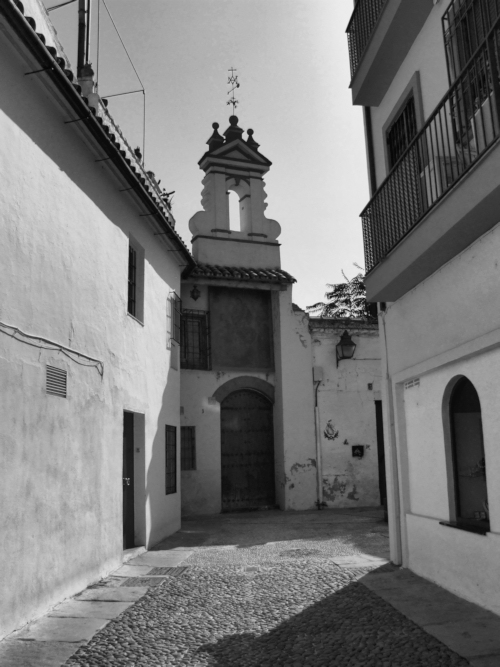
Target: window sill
x=133, y=317
x=470, y=528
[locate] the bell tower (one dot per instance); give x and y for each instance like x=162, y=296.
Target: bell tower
x=233, y=164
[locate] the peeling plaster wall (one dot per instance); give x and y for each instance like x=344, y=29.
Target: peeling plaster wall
x=347, y=412
x=294, y=395
x=65, y=230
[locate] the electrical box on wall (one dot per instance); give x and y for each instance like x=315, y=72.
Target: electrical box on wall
x=317, y=374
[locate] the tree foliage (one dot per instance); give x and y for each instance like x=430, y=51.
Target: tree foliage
x=345, y=300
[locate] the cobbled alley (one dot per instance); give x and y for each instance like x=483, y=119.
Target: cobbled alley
x=262, y=589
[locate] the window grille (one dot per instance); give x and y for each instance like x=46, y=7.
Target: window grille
x=188, y=448
x=401, y=132
x=56, y=381
x=170, y=459
x=175, y=317
x=466, y=24
x=132, y=280
x=195, y=344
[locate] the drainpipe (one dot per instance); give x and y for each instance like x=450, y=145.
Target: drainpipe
x=391, y=459
x=317, y=378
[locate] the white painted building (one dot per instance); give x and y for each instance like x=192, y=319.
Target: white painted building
x=90, y=387
x=247, y=398
x=427, y=76
x=349, y=416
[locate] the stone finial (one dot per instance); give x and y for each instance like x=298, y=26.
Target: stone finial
x=251, y=141
x=216, y=140
x=233, y=131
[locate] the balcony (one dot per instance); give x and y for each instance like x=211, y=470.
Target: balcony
x=380, y=34
x=444, y=192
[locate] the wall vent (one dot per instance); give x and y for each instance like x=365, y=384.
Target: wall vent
x=56, y=381
x=412, y=383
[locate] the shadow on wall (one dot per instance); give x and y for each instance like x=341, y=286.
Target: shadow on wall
x=351, y=626
x=163, y=508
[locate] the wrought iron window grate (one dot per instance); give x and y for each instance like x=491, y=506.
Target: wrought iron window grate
x=461, y=128
x=195, y=342
x=56, y=381
x=132, y=280
x=188, y=448
x=170, y=459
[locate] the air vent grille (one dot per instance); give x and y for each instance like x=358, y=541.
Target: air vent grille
x=412, y=383
x=56, y=381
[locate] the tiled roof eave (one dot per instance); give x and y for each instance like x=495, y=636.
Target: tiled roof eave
x=63, y=79
x=238, y=274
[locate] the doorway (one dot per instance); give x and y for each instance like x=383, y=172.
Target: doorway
x=381, y=455
x=247, y=451
x=128, y=481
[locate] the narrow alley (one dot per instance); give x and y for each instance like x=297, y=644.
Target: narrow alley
x=261, y=589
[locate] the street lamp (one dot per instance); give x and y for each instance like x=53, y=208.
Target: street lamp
x=345, y=347
x=195, y=293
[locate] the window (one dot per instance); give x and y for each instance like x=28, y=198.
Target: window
x=465, y=26
x=469, y=466
x=132, y=280
x=135, y=297
x=401, y=132
x=170, y=459
x=195, y=340
x=174, y=318
x=188, y=448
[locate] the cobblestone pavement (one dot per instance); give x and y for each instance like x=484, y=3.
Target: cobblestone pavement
x=263, y=589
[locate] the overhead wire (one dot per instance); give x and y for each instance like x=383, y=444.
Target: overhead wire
x=137, y=75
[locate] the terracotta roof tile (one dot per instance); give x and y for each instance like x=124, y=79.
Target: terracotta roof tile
x=216, y=272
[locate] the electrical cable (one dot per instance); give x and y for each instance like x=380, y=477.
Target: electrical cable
x=13, y=332
x=139, y=79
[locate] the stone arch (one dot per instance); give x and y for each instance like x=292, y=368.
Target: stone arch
x=244, y=382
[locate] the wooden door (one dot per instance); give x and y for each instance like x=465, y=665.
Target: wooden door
x=247, y=451
x=381, y=454
x=128, y=480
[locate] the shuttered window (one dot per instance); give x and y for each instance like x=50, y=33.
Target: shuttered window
x=56, y=381
x=170, y=459
x=188, y=448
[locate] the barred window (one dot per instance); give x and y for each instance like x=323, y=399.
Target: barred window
x=195, y=348
x=132, y=280
x=401, y=132
x=188, y=448
x=174, y=318
x=170, y=459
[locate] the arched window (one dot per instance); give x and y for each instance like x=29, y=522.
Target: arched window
x=233, y=202
x=469, y=466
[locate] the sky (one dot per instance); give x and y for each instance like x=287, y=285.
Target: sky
x=292, y=64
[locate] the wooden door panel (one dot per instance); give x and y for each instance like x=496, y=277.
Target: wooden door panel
x=247, y=447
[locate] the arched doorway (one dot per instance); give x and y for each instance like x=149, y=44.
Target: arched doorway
x=247, y=451
x=471, y=495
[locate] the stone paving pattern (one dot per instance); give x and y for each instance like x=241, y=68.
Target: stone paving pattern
x=267, y=589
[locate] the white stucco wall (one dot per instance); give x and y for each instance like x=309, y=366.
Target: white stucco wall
x=444, y=328
x=347, y=413
x=426, y=56
x=65, y=234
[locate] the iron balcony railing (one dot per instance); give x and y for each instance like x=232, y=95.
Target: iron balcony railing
x=363, y=20
x=462, y=127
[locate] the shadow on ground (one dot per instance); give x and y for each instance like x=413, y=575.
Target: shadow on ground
x=350, y=627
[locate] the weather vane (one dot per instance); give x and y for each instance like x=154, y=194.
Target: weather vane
x=232, y=80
